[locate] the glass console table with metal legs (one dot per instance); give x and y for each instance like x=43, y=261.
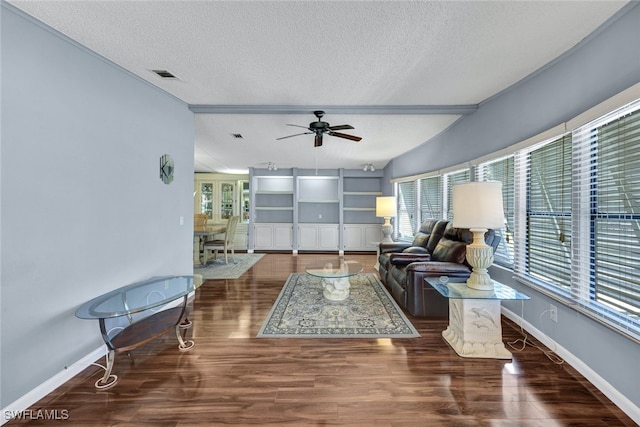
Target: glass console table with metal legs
x=138, y=313
x=475, y=328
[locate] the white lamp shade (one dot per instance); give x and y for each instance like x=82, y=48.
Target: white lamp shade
x=386, y=206
x=478, y=205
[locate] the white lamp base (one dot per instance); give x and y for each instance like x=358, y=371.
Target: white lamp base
x=480, y=257
x=387, y=229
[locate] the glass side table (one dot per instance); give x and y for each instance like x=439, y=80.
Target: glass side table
x=135, y=314
x=475, y=328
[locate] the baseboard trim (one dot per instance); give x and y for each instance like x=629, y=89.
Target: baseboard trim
x=30, y=398
x=621, y=401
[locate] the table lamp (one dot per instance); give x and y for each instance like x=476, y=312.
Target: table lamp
x=386, y=208
x=478, y=207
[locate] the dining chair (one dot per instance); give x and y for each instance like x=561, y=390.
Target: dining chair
x=200, y=222
x=224, y=244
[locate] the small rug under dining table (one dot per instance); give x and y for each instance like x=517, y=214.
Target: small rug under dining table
x=301, y=311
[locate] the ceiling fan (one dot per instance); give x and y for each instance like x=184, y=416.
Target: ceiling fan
x=319, y=128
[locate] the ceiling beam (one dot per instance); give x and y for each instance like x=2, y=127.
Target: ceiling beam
x=334, y=109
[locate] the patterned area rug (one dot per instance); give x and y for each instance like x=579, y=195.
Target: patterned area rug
x=301, y=311
x=217, y=269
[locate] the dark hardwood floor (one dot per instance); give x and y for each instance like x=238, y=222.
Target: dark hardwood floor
x=231, y=377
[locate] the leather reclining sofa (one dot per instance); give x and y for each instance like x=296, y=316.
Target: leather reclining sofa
x=438, y=249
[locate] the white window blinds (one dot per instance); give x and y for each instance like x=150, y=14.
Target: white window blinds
x=406, y=200
x=502, y=170
x=608, y=196
x=545, y=231
x=452, y=179
x=430, y=198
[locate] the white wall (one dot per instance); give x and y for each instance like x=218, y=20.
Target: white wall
x=83, y=209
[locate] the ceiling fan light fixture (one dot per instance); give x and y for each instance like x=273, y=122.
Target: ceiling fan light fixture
x=369, y=168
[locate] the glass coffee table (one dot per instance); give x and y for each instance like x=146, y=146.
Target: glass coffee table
x=475, y=328
x=335, y=273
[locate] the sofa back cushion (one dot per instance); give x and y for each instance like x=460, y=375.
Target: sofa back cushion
x=452, y=247
x=428, y=235
x=436, y=234
x=448, y=250
x=422, y=236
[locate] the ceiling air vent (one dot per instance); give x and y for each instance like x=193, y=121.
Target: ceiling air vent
x=164, y=74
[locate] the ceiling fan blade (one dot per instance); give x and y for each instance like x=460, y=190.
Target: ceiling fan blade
x=298, y=126
x=344, y=135
x=318, y=140
x=297, y=134
x=340, y=127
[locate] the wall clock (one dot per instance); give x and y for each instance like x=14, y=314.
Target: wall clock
x=166, y=169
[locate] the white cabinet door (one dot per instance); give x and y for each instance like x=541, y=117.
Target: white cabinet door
x=263, y=236
x=283, y=236
x=353, y=237
x=273, y=236
x=328, y=237
x=307, y=237
x=372, y=236
x=361, y=237
x=318, y=237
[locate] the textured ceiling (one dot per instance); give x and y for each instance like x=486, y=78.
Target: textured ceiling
x=263, y=64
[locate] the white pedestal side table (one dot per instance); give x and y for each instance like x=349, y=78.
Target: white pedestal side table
x=475, y=328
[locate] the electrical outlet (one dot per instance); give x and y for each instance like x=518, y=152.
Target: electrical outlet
x=553, y=312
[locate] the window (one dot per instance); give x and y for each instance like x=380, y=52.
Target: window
x=502, y=170
x=452, y=179
x=608, y=209
x=577, y=221
x=572, y=209
x=546, y=230
x=406, y=220
x=430, y=198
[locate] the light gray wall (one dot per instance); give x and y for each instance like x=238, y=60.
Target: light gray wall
x=600, y=68
x=83, y=209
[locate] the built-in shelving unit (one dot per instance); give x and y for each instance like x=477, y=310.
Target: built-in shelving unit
x=318, y=199
x=360, y=199
x=314, y=210
x=273, y=199
x=273, y=211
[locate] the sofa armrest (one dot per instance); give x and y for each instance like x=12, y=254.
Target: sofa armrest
x=389, y=247
x=439, y=268
x=404, y=258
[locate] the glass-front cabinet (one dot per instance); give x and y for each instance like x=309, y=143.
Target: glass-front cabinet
x=221, y=196
x=245, y=198
x=227, y=199
x=206, y=199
